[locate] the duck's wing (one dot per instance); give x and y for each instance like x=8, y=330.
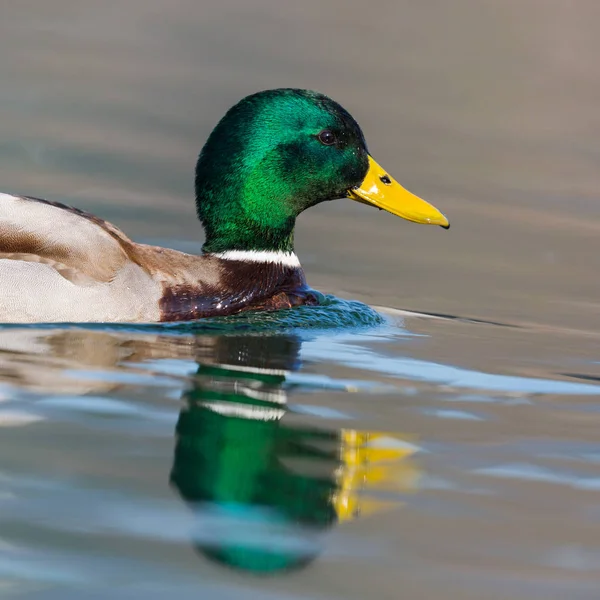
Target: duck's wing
x=79, y=246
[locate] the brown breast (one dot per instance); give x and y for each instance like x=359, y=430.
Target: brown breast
x=238, y=286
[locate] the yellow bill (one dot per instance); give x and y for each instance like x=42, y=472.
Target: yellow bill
x=380, y=190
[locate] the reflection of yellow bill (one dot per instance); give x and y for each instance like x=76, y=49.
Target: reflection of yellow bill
x=369, y=463
x=380, y=190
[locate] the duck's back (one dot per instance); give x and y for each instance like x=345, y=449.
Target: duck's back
x=61, y=264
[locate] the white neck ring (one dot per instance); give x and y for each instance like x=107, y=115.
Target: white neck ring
x=275, y=257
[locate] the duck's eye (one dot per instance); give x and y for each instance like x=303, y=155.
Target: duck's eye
x=327, y=137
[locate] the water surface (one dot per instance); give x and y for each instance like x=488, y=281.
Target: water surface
x=442, y=443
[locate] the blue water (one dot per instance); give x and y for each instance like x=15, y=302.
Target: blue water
x=287, y=445
x=333, y=452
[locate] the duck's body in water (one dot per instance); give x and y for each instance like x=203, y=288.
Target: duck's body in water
x=273, y=155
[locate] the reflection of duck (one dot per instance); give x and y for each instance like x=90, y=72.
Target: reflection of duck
x=264, y=485
x=52, y=360
x=273, y=155
x=263, y=488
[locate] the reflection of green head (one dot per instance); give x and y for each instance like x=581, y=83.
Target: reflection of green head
x=265, y=489
x=259, y=540
x=256, y=560
x=234, y=456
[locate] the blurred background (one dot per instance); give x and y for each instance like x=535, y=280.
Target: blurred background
x=110, y=438
x=486, y=108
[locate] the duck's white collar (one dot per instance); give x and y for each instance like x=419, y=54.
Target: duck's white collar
x=287, y=259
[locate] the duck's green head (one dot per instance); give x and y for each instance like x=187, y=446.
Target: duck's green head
x=278, y=152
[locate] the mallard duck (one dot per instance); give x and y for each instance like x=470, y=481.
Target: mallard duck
x=273, y=155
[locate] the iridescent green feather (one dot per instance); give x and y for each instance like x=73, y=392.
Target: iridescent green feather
x=264, y=164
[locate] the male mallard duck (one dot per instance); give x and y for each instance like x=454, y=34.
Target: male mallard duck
x=273, y=155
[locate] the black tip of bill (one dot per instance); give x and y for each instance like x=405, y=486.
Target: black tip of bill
x=445, y=226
